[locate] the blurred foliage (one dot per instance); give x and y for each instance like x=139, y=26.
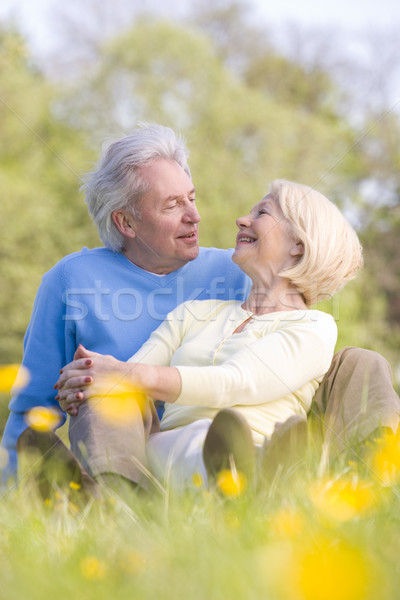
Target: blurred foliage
x=249, y=115
x=240, y=138
x=43, y=216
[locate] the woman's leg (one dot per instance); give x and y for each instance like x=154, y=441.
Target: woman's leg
x=176, y=456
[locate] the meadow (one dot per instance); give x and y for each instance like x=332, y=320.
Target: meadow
x=326, y=528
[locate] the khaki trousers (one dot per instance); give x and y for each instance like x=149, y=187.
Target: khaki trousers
x=355, y=397
x=106, y=447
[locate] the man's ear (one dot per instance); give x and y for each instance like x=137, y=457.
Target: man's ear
x=124, y=222
x=297, y=249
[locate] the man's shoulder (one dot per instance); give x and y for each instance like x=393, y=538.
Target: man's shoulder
x=88, y=256
x=85, y=262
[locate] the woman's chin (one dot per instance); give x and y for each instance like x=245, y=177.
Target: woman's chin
x=236, y=257
x=239, y=257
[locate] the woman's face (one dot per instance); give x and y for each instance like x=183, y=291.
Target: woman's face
x=265, y=243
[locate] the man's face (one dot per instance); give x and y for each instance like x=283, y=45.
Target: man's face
x=166, y=235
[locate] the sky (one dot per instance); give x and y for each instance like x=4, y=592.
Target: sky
x=347, y=14
x=344, y=29
x=34, y=16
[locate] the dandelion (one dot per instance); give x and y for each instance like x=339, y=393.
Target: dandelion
x=343, y=499
x=231, y=484
x=13, y=378
x=287, y=522
x=120, y=402
x=92, y=568
x=384, y=458
x=197, y=480
x=74, y=486
x=43, y=418
x=332, y=569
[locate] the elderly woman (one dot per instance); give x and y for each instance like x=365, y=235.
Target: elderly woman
x=259, y=362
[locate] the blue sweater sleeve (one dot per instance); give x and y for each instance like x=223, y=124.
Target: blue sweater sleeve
x=44, y=355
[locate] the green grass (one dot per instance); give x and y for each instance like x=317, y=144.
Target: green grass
x=288, y=540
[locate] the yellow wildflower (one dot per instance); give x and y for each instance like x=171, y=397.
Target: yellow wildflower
x=13, y=378
x=43, y=418
x=92, y=568
x=231, y=484
x=332, y=569
x=120, y=402
x=74, y=486
x=384, y=458
x=343, y=499
x=197, y=480
x=287, y=522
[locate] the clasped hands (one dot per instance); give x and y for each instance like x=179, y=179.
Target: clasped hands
x=86, y=377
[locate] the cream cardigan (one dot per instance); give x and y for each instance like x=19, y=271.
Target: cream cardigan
x=268, y=372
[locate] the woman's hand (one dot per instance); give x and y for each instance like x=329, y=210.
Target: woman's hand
x=91, y=374
x=88, y=375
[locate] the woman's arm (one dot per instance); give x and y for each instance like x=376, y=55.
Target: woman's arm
x=274, y=366
x=92, y=374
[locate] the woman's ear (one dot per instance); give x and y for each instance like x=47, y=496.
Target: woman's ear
x=297, y=249
x=124, y=222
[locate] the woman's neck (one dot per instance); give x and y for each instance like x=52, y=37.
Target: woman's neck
x=282, y=296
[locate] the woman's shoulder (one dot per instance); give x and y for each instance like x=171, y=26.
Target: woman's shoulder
x=319, y=316
x=315, y=321
x=206, y=309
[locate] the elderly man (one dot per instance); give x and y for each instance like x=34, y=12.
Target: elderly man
x=110, y=299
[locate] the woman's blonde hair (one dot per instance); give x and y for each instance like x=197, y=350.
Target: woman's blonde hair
x=332, y=251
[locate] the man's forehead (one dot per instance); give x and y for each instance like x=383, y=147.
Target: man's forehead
x=165, y=180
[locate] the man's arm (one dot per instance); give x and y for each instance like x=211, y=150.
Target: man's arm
x=44, y=355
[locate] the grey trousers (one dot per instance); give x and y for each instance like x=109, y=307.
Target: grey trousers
x=355, y=397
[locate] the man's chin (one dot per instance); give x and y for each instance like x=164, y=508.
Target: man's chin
x=192, y=254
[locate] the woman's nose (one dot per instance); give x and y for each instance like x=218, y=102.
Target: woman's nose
x=243, y=221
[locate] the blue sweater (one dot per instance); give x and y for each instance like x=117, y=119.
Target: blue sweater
x=100, y=299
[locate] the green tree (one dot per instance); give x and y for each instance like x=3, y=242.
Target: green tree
x=43, y=215
x=240, y=139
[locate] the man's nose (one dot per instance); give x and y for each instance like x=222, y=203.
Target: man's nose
x=191, y=214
